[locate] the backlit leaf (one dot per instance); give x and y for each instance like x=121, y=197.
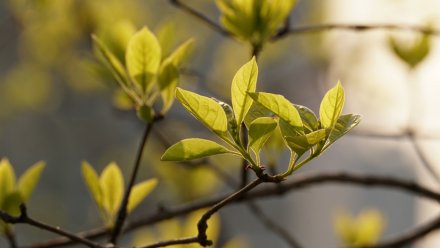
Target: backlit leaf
x=259, y=132
x=181, y=53
x=331, y=106
x=29, y=180
x=188, y=149
x=139, y=192
x=301, y=144
x=7, y=179
x=168, y=80
x=111, y=183
x=245, y=80
x=205, y=109
x=92, y=181
x=143, y=57
x=256, y=111
x=309, y=118
x=344, y=124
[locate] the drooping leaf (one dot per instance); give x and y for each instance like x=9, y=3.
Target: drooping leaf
x=194, y=148
x=344, y=124
x=11, y=203
x=259, y=132
x=309, y=118
x=93, y=183
x=331, y=106
x=139, y=192
x=205, y=109
x=280, y=106
x=7, y=179
x=113, y=63
x=29, y=180
x=111, y=183
x=245, y=80
x=143, y=57
x=300, y=144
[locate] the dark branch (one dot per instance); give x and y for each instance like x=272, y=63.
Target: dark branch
x=180, y=241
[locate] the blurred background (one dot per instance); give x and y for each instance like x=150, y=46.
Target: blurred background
x=58, y=104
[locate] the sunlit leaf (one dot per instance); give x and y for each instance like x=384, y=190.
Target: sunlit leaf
x=29, y=180
x=280, y=106
x=344, y=124
x=168, y=80
x=259, y=132
x=309, y=118
x=143, y=57
x=7, y=179
x=181, y=53
x=331, y=106
x=245, y=80
x=92, y=181
x=139, y=192
x=111, y=183
x=188, y=149
x=256, y=111
x=205, y=109
x=300, y=144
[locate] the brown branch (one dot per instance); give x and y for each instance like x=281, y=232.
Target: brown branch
x=299, y=182
x=10, y=236
x=122, y=212
x=180, y=241
x=23, y=218
x=356, y=28
x=216, y=27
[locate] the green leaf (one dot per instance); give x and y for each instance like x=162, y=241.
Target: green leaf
x=181, y=53
x=168, y=80
x=233, y=128
x=344, y=125
x=92, y=181
x=415, y=53
x=245, y=80
x=308, y=118
x=7, y=179
x=111, y=183
x=300, y=144
x=112, y=61
x=279, y=106
x=256, y=111
x=204, y=109
x=331, y=106
x=188, y=149
x=259, y=132
x=139, y=192
x=145, y=113
x=11, y=204
x=143, y=57
x=29, y=180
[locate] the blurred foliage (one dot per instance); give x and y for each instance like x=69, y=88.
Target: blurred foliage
x=363, y=229
x=412, y=53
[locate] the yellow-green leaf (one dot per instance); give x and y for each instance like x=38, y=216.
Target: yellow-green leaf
x=181, y=53
x=331, y=106
x=205, y=109
x=92, y=181
x=11, y=204
x=111, y=183
x=245, y=80
x=300, y=144
x=344, y=124
x=143, y=57
x=139, y=192
x=168, y=80
x=279, y=106
x=259, y=132
x=29, y=180
x=112, y=62
x=256, y=111
x=413, y=54
x=308, y=118
x=193, y=148
x=7, y=179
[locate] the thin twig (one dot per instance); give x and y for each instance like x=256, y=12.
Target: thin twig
x=122, y=212
x=202, y=225
x=216, y=27
x=298, y=183
x=10, y=236
x=180, y=241
x=23, y=218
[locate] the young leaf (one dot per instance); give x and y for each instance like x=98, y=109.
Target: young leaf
x=245, y=80
x=205, y=109
x=256, y=111
x=29, y=180
x=188, y=149
x=181, y=53
x=139, y=192
x=233, y=128
x=7, y=179
x=111, y=183
x=300, y=144
x=308, y=118
x=92, y=181
x=279, y=106
x=168, y=80
x=113, y=63
x=12, y=203
x=344, y=125
x=143, y=57
x=331, y=106
x=259, y=132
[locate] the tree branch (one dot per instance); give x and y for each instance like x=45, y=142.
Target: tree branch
x=23, y=218
x=180, y=241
